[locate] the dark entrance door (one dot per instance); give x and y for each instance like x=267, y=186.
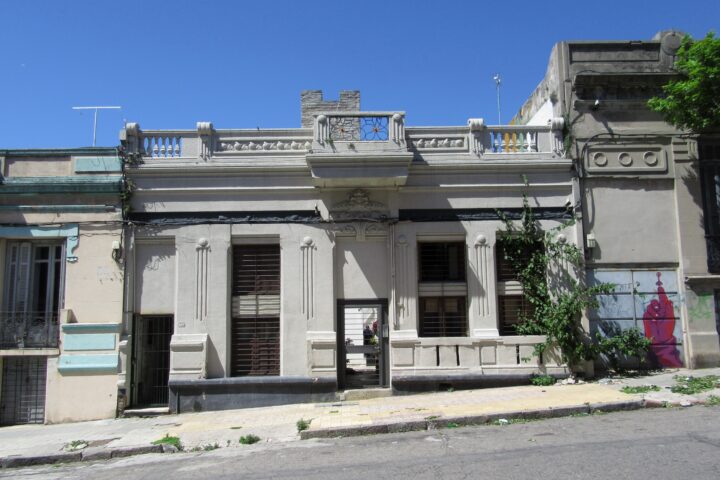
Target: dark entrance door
x=23, y=390
x=362, y=344
x=151, y=360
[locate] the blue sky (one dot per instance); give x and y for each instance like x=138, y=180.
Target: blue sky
x=242, y=64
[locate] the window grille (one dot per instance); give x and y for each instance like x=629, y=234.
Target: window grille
x=443, y=317
x=23, y=390
x=443, y=289
x=255, y=310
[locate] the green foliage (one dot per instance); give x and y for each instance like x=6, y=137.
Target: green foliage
x=303, y=424
x=249, y=439
x=554, y=312
x=693, y=385
x=693, y=100
x=542, y=380
x=168, y=440
x=639, y=389
x=625, y=343
x=712, y=401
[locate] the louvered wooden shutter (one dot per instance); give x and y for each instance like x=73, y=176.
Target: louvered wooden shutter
x=256, y=310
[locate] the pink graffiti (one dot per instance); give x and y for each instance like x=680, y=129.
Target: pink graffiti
x=659, y=323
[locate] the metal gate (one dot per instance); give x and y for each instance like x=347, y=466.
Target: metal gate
x=23, y=390
x=151, y=360
x=362, y=343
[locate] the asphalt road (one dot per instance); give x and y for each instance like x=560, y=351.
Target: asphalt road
x=646, y=444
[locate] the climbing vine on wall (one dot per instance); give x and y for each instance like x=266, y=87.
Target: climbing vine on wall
x=544, y=263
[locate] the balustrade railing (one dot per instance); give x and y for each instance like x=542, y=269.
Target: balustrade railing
x=360, y=127
x=161, y=145
x=28, y=330
x=515, y=140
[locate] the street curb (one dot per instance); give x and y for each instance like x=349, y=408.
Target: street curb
x=84, y=456
x=469, y=420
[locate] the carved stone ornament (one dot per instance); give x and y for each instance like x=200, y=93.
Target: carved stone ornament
x=358, y=206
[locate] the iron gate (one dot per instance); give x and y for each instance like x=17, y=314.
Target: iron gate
x=151, y=360
x=362, y=343
x=23, y=390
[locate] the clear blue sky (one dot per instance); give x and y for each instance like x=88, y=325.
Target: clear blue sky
x=242, y=64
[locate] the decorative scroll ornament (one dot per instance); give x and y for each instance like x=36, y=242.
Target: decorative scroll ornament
x=358, y=206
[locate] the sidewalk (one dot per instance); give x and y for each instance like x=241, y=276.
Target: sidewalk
x=35, y=444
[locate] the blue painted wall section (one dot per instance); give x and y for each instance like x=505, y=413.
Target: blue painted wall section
x=97, y=363
x=78, y=337
x=70, y=231
x=97, y=164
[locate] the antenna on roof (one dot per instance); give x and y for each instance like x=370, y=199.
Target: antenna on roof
x=498, y=81
x=96, y=113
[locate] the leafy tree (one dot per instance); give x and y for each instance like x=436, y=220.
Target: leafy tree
x=692, y=101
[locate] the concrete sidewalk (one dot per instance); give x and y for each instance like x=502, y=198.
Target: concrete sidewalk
x=35, y=444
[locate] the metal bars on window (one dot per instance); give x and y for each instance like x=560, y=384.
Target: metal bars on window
x=255, y=329
x=443, y=317
x=442, y=271
x=442, y=262
x=22, y=399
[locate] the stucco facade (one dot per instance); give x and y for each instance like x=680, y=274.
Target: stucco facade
x=60, y=239
x=644, y=227
x=347, y=201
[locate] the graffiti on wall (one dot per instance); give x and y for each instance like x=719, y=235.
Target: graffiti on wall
x=646, y=300
x=659, y=322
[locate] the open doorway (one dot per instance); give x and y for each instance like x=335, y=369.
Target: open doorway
x=362, y=344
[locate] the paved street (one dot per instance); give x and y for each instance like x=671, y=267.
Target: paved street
x=654, y=443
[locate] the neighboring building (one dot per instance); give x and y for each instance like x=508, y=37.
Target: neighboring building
x=649, y=203
x=60, y=239
x=274, y=265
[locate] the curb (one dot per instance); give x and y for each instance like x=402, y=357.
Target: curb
x=462, y=421
x=87, y=455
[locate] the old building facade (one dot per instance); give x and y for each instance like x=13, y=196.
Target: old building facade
x=356, y=251
x=60, y=240
x=649, y=194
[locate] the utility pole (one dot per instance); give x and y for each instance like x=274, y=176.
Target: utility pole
x=96, y=115
x=498, y=81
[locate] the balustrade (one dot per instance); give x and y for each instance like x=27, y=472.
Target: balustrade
x=28, y=330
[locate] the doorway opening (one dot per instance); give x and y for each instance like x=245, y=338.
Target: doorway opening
x=151, y=360
x=362, y=344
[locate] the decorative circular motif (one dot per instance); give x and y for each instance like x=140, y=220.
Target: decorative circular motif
x=321, y=118
x=202, y=242
x=307, y=241
x=625, y=159
x=397, y=117
x=562, y=239
x=481, y=240
x=650, y=158
x=402, y=239
x=600, y=159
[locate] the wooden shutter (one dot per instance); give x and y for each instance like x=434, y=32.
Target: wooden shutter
x=255, y=310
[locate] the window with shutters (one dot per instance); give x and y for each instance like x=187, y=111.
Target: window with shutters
x=442, y=289
x=512, y=304
x=710, y=185
x=255, y=334
x=32, y=297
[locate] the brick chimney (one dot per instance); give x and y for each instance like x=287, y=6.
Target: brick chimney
x=312, y=102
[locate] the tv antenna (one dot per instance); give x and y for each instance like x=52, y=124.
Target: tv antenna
x=96, y=108
x=498, y=81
